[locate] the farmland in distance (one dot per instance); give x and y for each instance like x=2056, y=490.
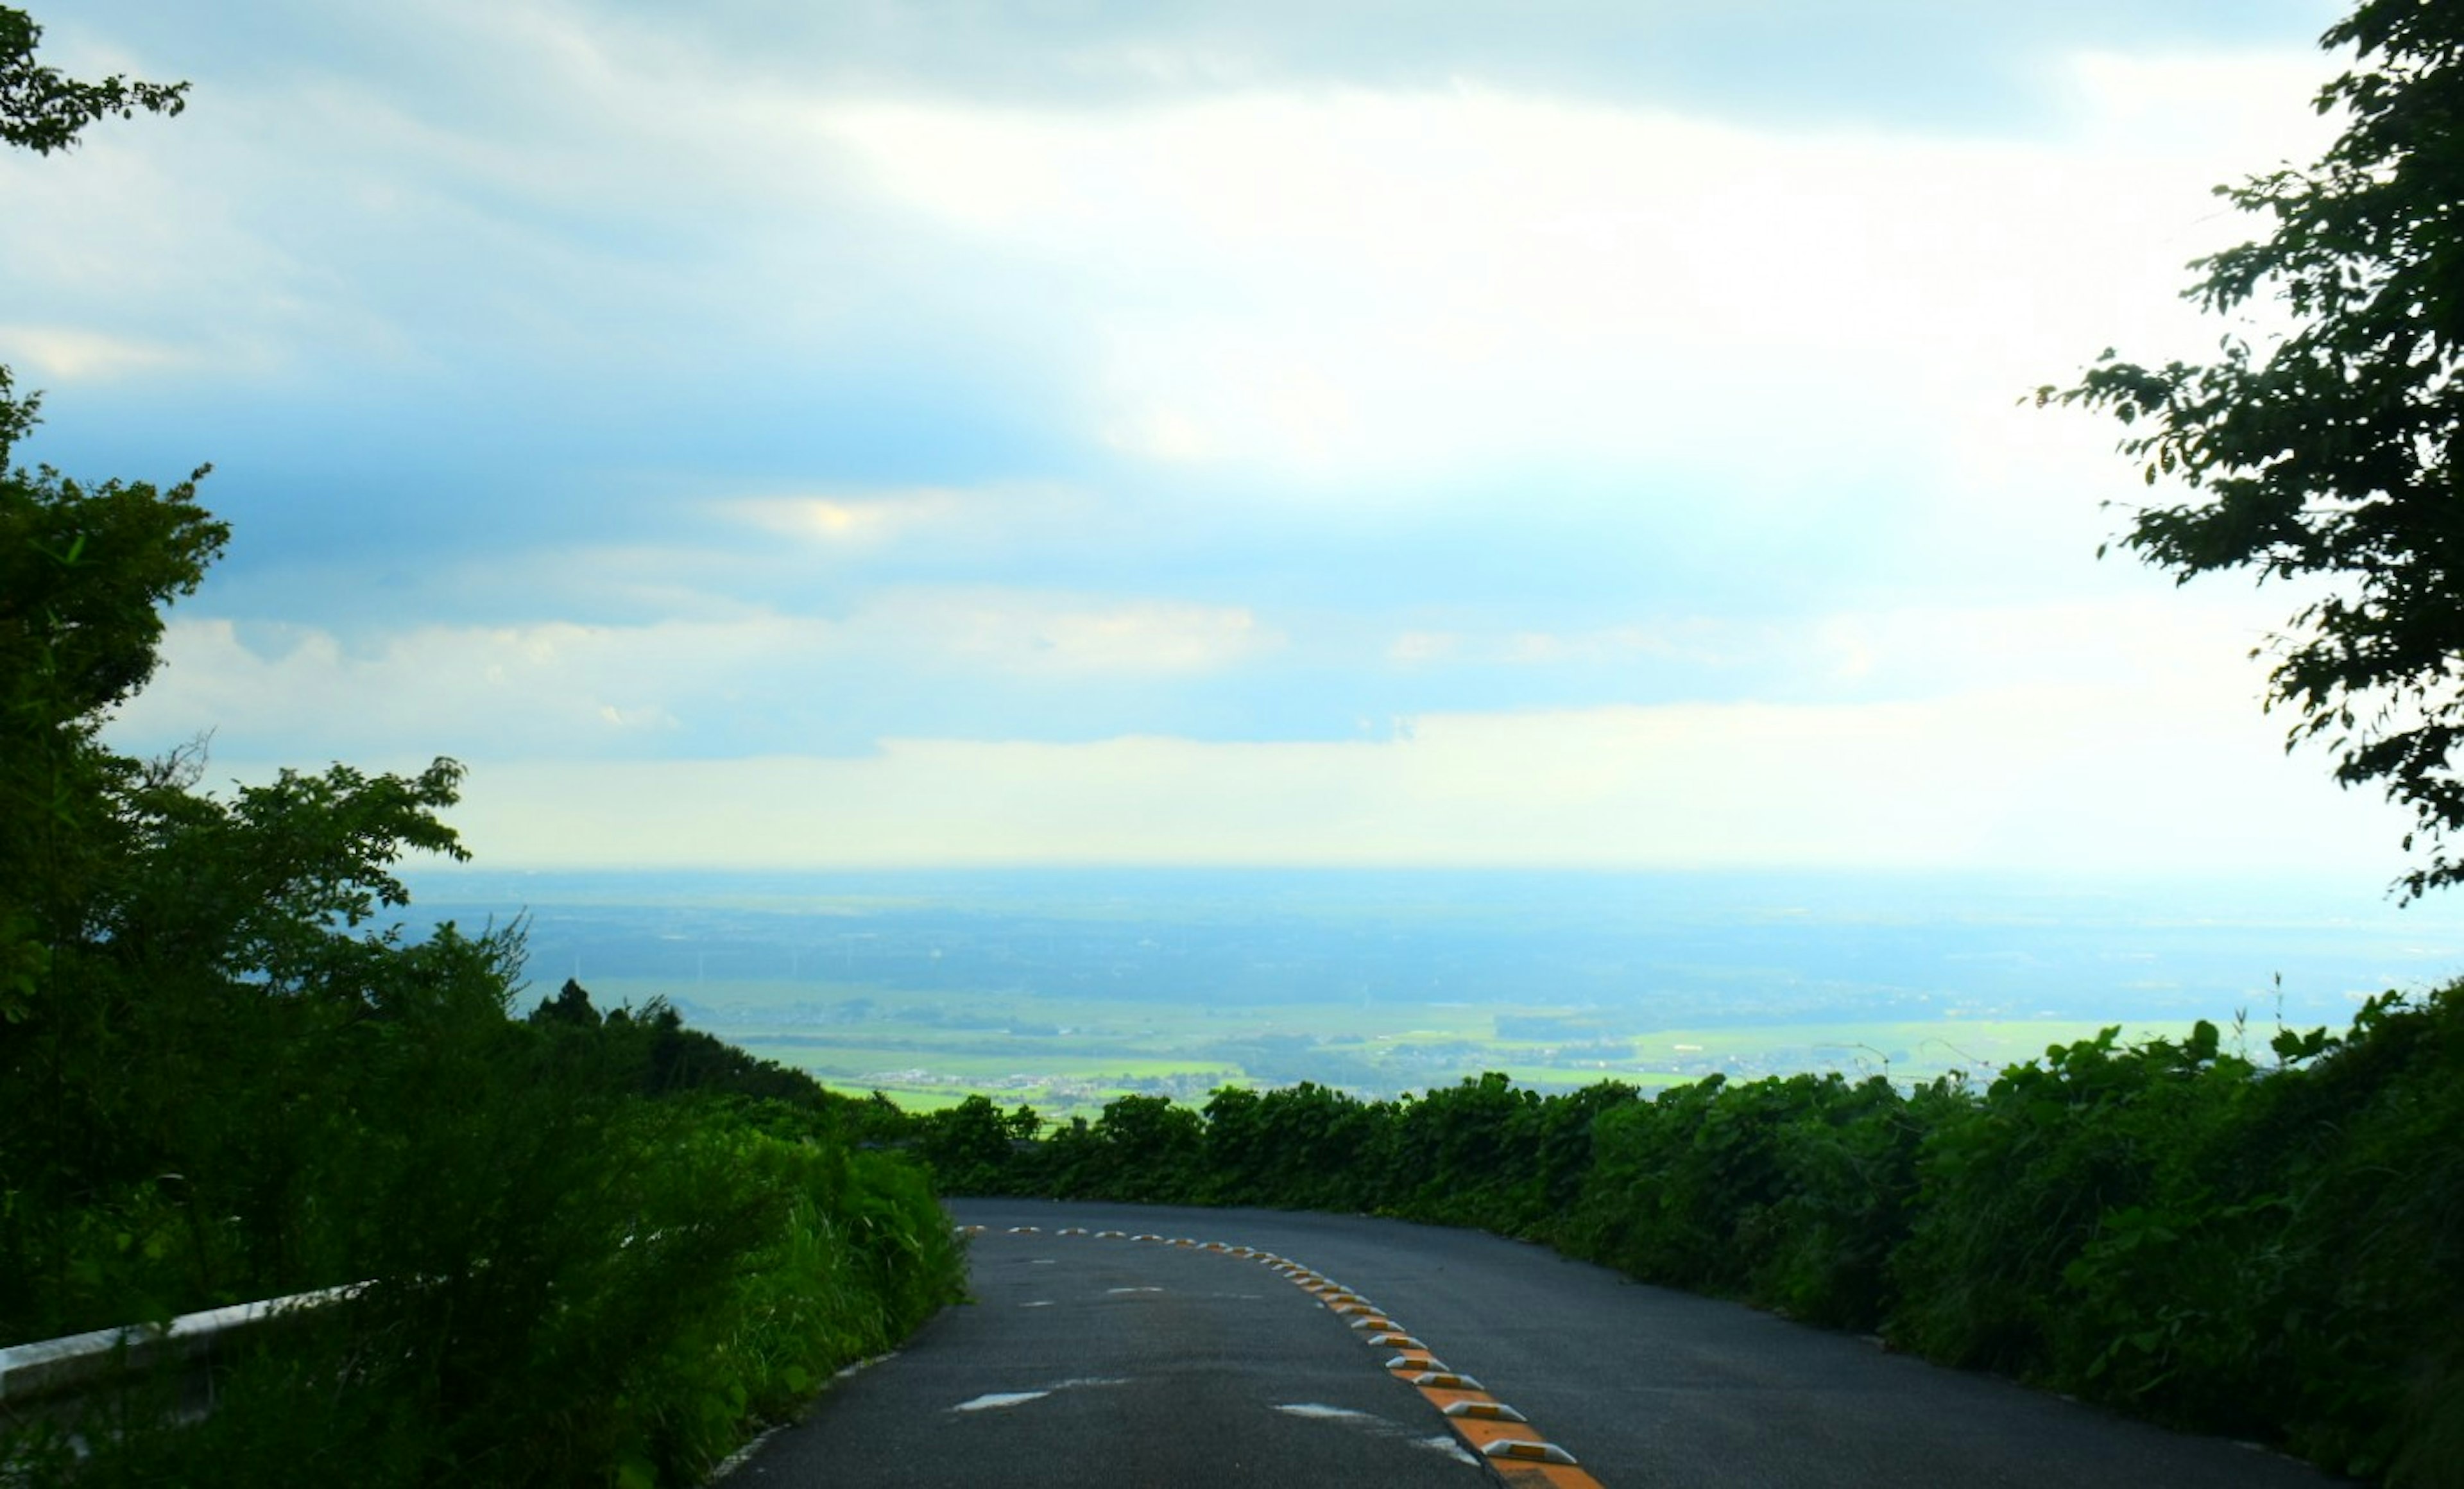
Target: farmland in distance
x=1064, y=989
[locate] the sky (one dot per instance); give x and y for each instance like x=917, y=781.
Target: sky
x=766, y=435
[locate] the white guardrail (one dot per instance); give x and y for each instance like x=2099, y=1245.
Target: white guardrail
x=50, y=1369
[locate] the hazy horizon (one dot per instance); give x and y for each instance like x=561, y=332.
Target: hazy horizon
x=1841, y=945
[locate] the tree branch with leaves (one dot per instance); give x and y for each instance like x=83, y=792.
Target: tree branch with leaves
x=2335, y=450
x=42, y=109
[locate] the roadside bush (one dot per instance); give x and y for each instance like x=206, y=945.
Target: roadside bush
x=973, y=1147
x=1847, y=1180
x=631, y=1291
x=2091, y=1146
x=1143, y=1149
x=1299, y=1147
x=2370, y=1241
x=1457, y=1155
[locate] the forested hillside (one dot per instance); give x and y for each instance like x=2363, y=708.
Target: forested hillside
x=585, y=1249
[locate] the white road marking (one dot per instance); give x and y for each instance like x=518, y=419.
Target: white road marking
x=995, y=1400
x=1325, y=1412
x=1370, y=1422
x=1445, y=1443
x=999, y=1398
x=846, y=1371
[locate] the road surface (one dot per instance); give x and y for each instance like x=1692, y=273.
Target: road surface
x=1092, y=1359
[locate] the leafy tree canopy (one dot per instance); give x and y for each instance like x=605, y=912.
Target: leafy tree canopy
x=2333, y=450
x=83, y=569
x=43, y=111
x=84, y=572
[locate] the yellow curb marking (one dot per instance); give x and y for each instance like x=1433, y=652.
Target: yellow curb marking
x=1502, y=1437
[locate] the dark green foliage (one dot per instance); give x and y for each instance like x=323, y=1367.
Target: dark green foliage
x=42, y=110
x=1458, y=1153
x=1790, y=1190
x=2166, y=1226
x=1299, y=1147
x=970, y=1148
x=623, y=1329
x=570, y=1007
x=594, y=1247
x=1142, y=1149
x=2049, y=1178
x=2333, y=451
x=1848, y=1181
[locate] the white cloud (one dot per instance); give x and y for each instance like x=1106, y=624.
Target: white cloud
x=1416, y=648
x=945, y=517
x=469, y=691
x=70, y=354
x=1023, y=635
x=482, y=692
x=1523, y=647
x=2184, y=647
x=2026, y=778
x=1351, y=283
x=2233, y=102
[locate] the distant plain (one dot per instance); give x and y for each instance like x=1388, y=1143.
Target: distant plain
x=1066, y=988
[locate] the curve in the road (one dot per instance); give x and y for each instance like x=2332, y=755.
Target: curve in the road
x=1087, y=1366
x=1503, y=1438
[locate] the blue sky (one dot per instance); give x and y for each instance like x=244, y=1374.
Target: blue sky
x=908, y=433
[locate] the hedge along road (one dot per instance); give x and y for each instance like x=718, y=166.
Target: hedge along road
x=1093, y=1359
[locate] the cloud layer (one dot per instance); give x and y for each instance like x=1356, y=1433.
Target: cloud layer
x=1563, y=433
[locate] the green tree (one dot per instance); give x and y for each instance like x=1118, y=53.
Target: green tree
x=2333, y=451
x=43, y=111
x=969, y=1147
x=84, y=572
x=571, y=1005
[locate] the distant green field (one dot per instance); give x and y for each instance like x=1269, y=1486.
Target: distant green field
x=1069, y=1057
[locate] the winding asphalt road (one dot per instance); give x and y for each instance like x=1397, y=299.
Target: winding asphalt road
x=1091, y=1358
